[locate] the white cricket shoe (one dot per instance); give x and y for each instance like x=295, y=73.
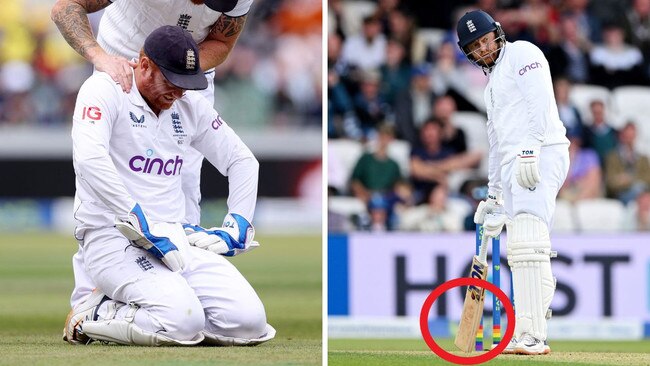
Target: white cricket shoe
x=510, y=348
x=529, y=345
x=87, y=310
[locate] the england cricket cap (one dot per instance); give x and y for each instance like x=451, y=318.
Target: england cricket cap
x=174, y=51
x=222, y=6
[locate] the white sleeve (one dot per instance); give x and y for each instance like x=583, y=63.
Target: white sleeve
x=94, y=116
x=533, y=78
x=228, y=153
x=494, y=163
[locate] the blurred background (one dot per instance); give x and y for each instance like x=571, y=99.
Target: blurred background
x=269, y=91
x=407, y=160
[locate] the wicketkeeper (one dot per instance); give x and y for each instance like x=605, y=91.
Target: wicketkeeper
x=153, y=287
x=528, y=162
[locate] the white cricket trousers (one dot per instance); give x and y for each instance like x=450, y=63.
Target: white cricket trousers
x=540, y=201
x=209, y=294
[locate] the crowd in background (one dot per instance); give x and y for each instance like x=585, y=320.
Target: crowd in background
x=276, y=66
x=387, y=82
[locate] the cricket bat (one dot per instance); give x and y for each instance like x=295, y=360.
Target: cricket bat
x=473, y=306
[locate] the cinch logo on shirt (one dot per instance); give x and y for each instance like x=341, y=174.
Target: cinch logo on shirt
x=156, y=166
x=534, y=65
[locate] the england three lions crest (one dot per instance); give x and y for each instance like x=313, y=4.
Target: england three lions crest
x=179, y=132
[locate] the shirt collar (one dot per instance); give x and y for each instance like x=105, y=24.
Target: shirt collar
x=135, y=97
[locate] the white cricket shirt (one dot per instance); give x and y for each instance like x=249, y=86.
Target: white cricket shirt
x=521, y=108
x=123, y=153
x=127, y=23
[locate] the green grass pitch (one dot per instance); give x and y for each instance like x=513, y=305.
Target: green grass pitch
x=383, y=352
x=36, y=281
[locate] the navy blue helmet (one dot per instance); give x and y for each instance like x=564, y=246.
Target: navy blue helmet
x=474, y=25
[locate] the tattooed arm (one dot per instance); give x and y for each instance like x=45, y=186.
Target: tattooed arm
x=220, y=41
x=71, y=17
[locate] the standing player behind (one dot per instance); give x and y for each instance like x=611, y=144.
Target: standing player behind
x=528, y=162
x=153, y=288
x=214, y=24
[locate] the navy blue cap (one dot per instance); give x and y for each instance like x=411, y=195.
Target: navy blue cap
x=222, y=6
x=474, y=25
x=174, y=51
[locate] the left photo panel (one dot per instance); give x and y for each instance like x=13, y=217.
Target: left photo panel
x=162, y=181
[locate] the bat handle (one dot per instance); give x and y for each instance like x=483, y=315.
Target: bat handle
x=482, y=254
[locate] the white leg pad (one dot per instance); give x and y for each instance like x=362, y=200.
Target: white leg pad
x=218, y=340
x=125, y=331
x=529, y=257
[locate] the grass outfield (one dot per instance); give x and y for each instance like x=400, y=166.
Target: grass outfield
x=36, y=281
x=382, y=352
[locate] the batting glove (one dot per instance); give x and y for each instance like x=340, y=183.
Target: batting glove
x=494, y=224
x=136, y=228
x=493, y=204
x=234, y=237
x=527, y=168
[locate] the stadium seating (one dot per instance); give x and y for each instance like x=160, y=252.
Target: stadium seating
x=599, y=215
x=583, y=94
x=432, y=36
x=346, y=153
x=630, y=103
x=564, y=219
x=346, y=206
x=353, y=13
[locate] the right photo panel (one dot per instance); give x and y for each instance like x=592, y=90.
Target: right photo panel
x=488, y=182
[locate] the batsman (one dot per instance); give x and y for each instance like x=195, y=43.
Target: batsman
x=528, y=162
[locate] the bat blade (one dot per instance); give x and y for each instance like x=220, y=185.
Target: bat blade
x=472, y=309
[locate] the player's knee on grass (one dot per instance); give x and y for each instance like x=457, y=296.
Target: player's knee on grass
x=247, y=320
x=181, y=320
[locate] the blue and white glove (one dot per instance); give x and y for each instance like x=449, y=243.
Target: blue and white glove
x=234, y=237
x=527, y=167
x=136, y=228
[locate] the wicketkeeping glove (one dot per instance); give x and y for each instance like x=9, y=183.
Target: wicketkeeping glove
x=136, y=228
x=493, y=204
x=527, y=168
x=234, y=237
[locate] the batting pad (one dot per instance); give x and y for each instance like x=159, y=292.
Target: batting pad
x=125, y=331
x=529, y=257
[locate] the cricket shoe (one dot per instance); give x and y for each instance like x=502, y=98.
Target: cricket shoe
x=529, y=345
x=87, y=310
x=510, y=348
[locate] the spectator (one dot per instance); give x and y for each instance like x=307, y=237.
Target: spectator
x=434, y=216
x=370, y=107
x=374, y=178
x=585, y=176
x=568, y=55
x=413, y=105
x=641, y=213
x=402, y=28
x=459, y=79
x=637, y=26
x=569, y=114
x=627, y=172
x=600, y=136
x=430, y=161
x=341, y=118
x=366, y=50
x=615, y=63
x=395, y=73
x=589, y=26
x=453, y=138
